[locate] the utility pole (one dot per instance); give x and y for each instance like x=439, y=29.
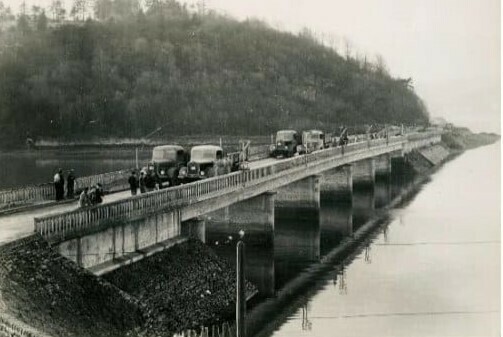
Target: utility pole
x=240, y=288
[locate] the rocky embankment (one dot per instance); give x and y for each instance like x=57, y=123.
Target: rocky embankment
x=53, y=295
x=459, y=139
x=187, y=286
x=453, y=143
x=184, y=287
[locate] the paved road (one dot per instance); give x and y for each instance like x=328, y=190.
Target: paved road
x=18, y=225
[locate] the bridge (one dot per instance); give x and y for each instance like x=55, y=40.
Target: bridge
x=126, y=229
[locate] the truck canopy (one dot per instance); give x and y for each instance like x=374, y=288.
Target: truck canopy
x=313, y=136
x=168, y=153
x=285, y=135
x=206, y=153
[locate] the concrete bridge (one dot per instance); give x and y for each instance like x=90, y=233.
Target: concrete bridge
x=104, y=237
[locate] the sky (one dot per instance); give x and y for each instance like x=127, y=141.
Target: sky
x=450, y=48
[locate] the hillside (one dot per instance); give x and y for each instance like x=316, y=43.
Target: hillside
x=126, y=75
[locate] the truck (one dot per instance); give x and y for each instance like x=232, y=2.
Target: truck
x=312, y=140
x=286, y=144
x=167, y=160
x=207, y=161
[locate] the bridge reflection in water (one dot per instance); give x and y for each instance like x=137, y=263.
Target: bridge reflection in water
x=301, y=236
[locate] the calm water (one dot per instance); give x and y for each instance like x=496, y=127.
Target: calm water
x=432, y=269
x=24, y=168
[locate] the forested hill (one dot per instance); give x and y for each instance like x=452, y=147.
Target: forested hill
x=126, y=74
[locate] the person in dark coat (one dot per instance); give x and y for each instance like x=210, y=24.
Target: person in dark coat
x=150, y=181
x=133, y=183
x=143, y=188
x=70, y=184
x=99, y=194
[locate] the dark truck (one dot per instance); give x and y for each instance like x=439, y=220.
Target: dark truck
x=286, y=144
x=208, y=161
x=167, y=160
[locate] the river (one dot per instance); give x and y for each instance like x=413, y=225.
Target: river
x=432, y=268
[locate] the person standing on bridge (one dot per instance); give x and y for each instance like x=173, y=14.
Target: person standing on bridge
x=84, y=198
x=143, y=188
x=70, y=184
x=59, y=185
x=133, y=183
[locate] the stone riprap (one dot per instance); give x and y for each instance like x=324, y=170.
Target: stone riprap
x=41, y=288
x=187, y=286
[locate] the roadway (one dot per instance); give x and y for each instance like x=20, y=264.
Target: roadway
x=19, y=225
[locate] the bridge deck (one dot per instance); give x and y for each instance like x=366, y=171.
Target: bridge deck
x=18, y=225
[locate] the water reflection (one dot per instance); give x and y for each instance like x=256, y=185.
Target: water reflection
x=259, y=256
x=336, y=222
x=296, y=241
x=363, y=206
x=382, y=191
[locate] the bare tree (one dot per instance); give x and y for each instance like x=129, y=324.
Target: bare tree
x=349, y=47
x=58, y=11
x=380, y=65
x=79, y=9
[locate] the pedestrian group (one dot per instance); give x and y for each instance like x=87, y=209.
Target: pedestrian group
x=88, y=196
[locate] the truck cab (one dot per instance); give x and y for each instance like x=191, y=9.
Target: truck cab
x=286, y=144
x=167, y=160
x=312, y=140
x=205, y=161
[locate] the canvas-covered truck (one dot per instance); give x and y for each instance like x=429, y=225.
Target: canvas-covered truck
x=286, y=144
x=312, y=140
x=167, y=160
x=206, y=161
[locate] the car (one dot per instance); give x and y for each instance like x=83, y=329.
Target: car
x=167, y=160
x=206, y=161
x=286, y=144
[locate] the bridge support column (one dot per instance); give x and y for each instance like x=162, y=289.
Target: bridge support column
x=302, y=194
x=337, y=184
x=383, y=166
x=195, y=228
x=364, y=174
x=255, y=216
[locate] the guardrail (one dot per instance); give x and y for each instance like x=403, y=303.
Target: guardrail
x=111, y=181
x=164, y=200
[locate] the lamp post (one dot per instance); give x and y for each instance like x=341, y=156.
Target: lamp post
x=240, y=287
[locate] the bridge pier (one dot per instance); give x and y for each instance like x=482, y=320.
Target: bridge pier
x=364, y=174
x=337, y=184
x=302, y=194
x=383, y=166
x=255, y=216
x=194, y=228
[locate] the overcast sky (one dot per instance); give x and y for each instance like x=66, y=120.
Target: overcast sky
x=450, y=48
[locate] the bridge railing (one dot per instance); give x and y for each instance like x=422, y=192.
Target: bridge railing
x=116, y=180
x=57, y=225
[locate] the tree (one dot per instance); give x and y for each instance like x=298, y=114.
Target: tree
x=57, y=10
x=41, y=22
x=103, y=9
x=5, y=13
x=79, y=9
